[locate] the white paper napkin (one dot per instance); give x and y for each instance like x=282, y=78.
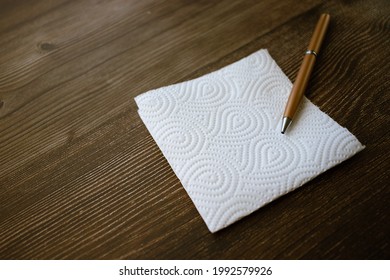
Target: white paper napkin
x=221, y=135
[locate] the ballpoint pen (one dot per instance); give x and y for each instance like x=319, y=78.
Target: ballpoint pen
x=303, y=76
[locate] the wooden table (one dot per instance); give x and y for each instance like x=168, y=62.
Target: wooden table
x=81, y=177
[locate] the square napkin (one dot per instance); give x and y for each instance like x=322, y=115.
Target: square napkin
x=221, y=135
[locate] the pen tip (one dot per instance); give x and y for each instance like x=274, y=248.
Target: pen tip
x=285, y=123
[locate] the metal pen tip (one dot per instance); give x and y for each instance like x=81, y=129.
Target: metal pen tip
x=285, y=124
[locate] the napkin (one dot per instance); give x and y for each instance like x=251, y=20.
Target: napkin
x=221, y=135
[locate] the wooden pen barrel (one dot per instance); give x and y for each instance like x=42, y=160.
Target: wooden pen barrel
x=300, y=85
x=307, y=66
x=319, y=33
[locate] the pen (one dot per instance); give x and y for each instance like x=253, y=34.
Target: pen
x=302, y=79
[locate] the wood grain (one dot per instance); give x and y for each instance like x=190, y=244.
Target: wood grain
x=80, y=176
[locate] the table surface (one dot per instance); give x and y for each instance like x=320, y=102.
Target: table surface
x=81, y=177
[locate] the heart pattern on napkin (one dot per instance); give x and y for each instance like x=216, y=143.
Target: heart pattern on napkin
x=221, y=135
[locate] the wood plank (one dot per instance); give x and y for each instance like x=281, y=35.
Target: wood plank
x=80, y=176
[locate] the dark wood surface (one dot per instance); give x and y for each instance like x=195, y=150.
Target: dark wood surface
x=80, y=176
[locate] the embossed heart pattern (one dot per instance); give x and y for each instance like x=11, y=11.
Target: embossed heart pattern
x=221, y=135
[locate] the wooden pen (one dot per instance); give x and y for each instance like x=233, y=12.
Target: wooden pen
x=307, y=66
